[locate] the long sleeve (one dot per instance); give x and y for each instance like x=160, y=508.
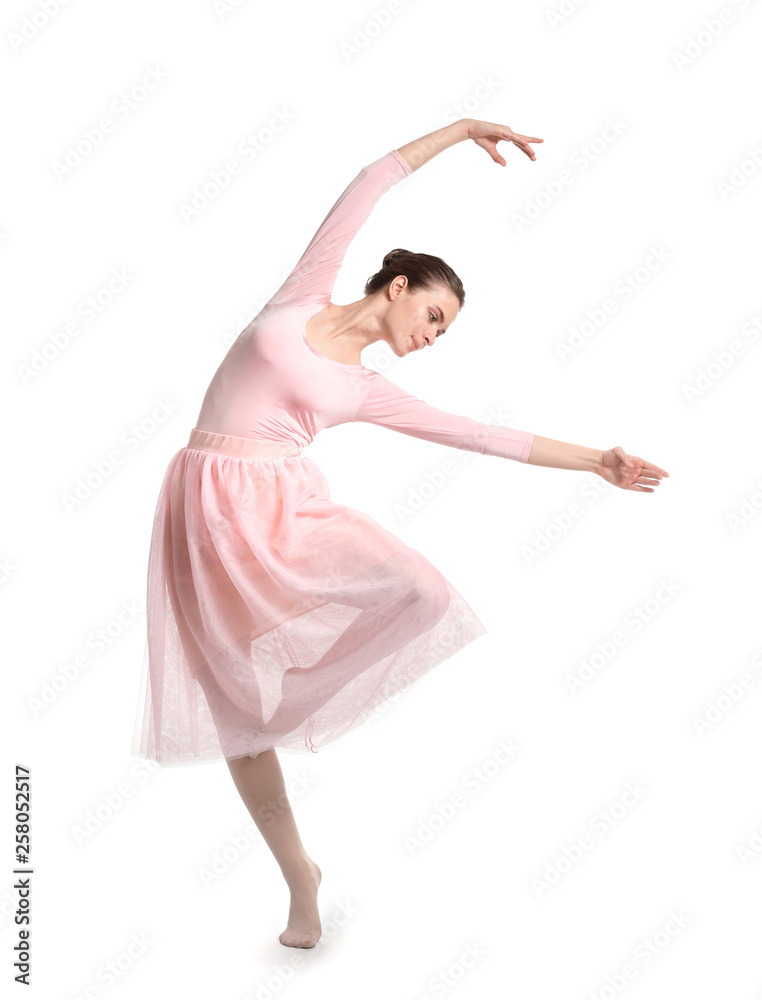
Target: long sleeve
x=315, y=273
x=389, y=406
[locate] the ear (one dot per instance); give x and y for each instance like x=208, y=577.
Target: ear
x=397, y=285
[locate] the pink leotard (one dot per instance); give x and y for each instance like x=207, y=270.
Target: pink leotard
x=274, y=385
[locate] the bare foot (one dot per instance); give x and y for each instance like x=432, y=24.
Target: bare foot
x=304, y=927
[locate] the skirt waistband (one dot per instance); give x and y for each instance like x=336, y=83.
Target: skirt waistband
x=238, y=447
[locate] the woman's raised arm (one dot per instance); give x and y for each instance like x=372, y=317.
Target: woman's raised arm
x=485, y=134
x=315, y=272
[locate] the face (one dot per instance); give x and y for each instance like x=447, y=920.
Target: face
x=413, y=320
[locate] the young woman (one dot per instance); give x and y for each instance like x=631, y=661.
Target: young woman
x=278, y=619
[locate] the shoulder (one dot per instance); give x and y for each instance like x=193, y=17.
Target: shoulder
x=383, y=396
x=380, y=385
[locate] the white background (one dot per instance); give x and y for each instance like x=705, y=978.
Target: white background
x=120, y=846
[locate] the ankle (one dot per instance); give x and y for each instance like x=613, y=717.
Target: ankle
x=299, y=872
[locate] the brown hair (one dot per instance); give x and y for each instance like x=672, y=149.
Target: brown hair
x=422, y=270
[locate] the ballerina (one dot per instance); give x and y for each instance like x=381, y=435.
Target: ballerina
x=277, y=618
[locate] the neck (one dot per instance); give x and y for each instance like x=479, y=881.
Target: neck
x=355, y=324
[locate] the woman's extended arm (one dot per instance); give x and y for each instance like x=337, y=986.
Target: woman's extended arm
x=615, y=466
x=389, y=406
x=484, y=134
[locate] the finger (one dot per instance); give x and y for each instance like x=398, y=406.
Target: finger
x=496, y=155
x=640, y=489
x=647, y=466
x=525, y=149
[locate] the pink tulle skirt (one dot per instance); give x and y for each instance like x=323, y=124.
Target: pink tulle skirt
x=276, y=617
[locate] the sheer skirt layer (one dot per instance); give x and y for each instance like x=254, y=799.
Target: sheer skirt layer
x=276, y=617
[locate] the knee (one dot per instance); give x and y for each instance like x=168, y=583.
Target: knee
x=430, y=594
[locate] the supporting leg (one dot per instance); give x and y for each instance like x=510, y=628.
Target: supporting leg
x=260, y=783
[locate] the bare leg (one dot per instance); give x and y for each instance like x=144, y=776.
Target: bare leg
x=260, y=783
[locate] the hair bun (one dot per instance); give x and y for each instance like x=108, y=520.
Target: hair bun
x=392, y=254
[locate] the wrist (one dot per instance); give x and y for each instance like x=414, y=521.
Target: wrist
x=461, y=128
x=420, y=151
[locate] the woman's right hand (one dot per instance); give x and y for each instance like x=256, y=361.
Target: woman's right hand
x=629, y=472
x=488, y=134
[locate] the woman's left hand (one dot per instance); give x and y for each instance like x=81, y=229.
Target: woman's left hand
x=628, y=471
x=487, y=135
